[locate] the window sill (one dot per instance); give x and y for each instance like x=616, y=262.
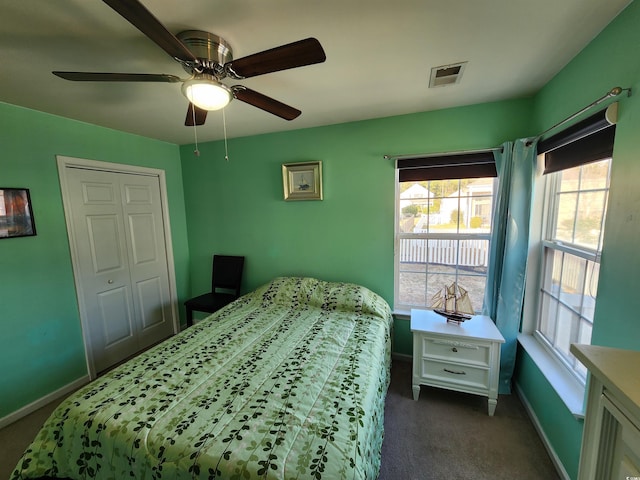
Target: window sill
x=568, y=388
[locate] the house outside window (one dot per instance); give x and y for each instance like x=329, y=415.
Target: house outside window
x=443, y=229
x=576, y=204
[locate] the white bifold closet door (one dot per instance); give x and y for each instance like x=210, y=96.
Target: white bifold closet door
x=121, y=261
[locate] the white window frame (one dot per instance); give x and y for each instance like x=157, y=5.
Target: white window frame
x=549, y=247
x=569, y=385
x=404, y=309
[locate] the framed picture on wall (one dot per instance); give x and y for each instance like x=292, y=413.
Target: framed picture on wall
x=302, y=181
x=16, y=216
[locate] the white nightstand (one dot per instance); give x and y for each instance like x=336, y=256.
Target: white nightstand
x=463, y=357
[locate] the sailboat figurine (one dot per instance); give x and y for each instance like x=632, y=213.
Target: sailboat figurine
x=455, y=304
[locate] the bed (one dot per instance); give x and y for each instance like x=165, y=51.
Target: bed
x=286, y=382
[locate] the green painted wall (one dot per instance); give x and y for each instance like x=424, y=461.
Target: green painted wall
x=610, y=60
x=237, y=207
x=561, y=428
x=402, y=340
x=41, y=348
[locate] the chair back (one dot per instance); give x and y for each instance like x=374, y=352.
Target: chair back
x=227, y=273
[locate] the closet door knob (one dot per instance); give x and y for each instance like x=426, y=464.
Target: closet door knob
x=109, y=282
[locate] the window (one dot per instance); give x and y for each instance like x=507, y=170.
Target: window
x=577, y=164
x=576, y=202
x=443, y=228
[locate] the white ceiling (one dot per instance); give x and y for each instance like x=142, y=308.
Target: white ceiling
x=379, y=57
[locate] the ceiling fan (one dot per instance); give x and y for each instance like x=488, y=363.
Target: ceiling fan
x=208, y=59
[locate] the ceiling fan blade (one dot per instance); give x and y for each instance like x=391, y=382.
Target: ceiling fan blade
x=265, y=103
x=195, y=116
x=136, y=14
x=296, y=54
x=117, y=77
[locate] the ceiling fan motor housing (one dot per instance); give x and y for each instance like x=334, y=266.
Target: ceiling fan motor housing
x=211, y=50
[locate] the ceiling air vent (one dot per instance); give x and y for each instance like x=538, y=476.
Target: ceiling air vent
x=446, y=74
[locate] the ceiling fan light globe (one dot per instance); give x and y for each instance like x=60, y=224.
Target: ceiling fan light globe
x=207, y=94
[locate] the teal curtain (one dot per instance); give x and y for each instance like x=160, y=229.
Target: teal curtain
x=509, y=247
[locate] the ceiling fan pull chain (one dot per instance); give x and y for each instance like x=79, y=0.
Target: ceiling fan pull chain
x=224, y=126
x=196, y=152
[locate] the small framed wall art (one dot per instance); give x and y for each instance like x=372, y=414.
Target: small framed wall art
x=16, y=216
x=302, y=181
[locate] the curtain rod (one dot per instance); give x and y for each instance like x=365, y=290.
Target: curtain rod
x=614, y=92
x=442, y=154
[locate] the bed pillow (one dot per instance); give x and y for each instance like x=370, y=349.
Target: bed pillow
x=309, y=292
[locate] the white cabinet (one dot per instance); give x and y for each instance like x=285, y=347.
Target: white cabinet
x=463, y=357
x=611, y=437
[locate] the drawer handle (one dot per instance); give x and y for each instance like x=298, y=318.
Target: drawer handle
x=454, y=349
x=454, y=372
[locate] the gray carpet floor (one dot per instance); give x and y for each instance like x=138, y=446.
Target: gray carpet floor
x=444, y=435
x=449, y=435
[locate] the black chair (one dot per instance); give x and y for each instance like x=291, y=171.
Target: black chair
x=226, y=277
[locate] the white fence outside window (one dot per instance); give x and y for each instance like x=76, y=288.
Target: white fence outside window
x=464, y=252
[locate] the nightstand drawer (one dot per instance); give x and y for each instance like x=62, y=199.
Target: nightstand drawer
x=456, y=350
x=462, y=375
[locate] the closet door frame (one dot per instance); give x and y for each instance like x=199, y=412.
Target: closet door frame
x=63, y=163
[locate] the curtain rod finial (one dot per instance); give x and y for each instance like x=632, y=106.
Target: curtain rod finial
x=615, y=91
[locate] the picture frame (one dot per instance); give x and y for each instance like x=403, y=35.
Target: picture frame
x=302, y=181
x=16, y=214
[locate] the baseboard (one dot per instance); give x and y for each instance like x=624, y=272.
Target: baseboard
x=545, y=440
x=41, y=402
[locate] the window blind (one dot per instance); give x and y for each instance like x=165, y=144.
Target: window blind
x=446, y=167
x=587, y=141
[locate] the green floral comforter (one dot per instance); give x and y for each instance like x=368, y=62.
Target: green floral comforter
x=287, y=382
